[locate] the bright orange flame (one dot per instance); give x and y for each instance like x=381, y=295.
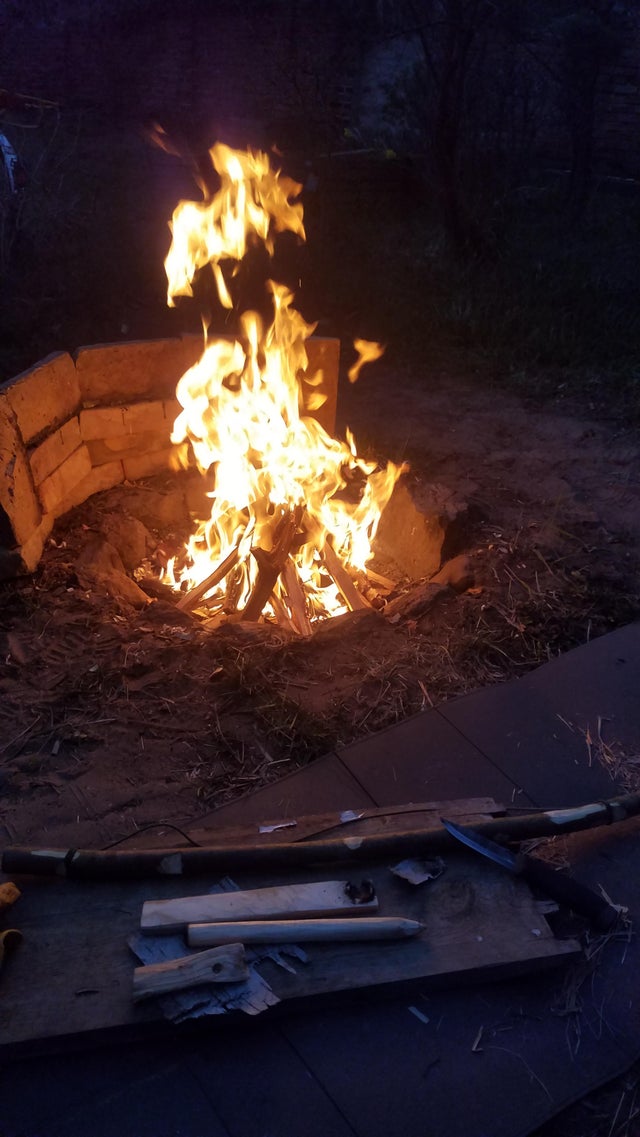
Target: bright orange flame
x=367, y=352
x=247, y=403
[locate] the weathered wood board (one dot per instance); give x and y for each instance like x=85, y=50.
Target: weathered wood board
x=73, y=973
x=225, y=964
x=323, y=898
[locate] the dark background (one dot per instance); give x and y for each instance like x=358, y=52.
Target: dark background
x=470, y=166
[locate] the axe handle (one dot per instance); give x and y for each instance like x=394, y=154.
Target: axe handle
x=566, y=890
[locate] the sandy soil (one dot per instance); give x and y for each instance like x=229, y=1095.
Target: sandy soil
x=114, y=718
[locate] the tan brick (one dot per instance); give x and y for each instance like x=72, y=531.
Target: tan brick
x=45, y=396
x=50, y=454
x=63, y=481
x=18, y=500
x=144, y=416
x=122, y=372
x=101, y=422
x=192, y=349
x=108, y=449
x=324, y=355
x=172, y=408
x=99, y=479
x=144, y=465
x=129, y=418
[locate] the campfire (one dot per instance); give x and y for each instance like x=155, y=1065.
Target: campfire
x=293, y=510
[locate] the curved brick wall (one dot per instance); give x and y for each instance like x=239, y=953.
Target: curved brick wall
x=72, y=426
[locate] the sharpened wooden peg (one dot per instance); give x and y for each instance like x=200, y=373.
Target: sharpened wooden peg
x=303, y=931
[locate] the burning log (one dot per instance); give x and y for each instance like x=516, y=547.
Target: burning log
x=191, y=599
x=416, y=602
x=352, y=598
x=295, y=595
x=383, y=581
x=235, y=580
x=282, y=615
x=271, y=564
x=373, y=595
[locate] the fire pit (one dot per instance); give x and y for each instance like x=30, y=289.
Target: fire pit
x=71, y=427
x=268, y=543
x=288, y=513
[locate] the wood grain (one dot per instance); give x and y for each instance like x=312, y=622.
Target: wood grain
x=320, y=898
x=219, y=965
x=303, y=931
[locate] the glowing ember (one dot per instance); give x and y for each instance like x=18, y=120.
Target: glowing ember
x=247, y=404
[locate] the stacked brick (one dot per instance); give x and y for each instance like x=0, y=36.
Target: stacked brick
x=70, y=427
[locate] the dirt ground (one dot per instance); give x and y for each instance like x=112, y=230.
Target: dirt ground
x=114, y=718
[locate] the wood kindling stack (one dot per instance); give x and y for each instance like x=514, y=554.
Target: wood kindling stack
x=278, y=564
x=271, y=563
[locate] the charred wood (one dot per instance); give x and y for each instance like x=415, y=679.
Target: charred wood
x=271, y=563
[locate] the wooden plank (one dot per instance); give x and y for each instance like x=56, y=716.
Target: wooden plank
x=479, y=923
x=327, y=897
x=73, y=972
x=354, y=600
